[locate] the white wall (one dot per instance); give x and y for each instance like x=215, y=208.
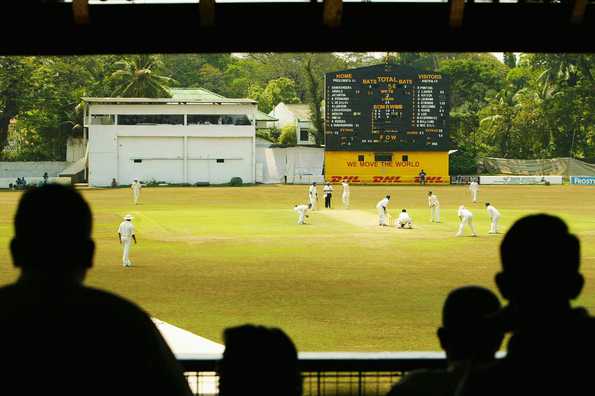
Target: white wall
x=275, y=161
x=171, y=153
x=75, y=149
x=304, y=164
x=12, y=170
x=260, y=156
x=301, y=165
x=161, y=159
x=235, y=152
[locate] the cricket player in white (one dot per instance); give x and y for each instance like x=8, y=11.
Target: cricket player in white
x=474, y=188
x=302, y=211
x=126, y=236
x=381, y=206
x=494, y=216
x=345, y=195
x=466, y=217
x=404, y=220
x=434, y=207
x=313, y=195
x=135, y=190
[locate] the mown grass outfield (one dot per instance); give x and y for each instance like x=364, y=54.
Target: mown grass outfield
x=214, y=257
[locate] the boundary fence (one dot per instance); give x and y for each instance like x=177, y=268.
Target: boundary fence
x=326, y=373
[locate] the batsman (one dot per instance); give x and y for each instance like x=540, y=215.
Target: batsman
x=382, y=213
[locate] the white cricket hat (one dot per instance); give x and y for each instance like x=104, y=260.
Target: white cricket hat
x=128, y=217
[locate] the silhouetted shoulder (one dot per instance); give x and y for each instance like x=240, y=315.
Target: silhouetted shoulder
x=85, y=301
x=91, y=331
x=427, y=383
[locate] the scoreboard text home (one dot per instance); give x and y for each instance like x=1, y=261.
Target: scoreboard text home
x=384, y=124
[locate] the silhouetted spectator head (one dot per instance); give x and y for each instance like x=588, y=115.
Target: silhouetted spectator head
x=464, y=333
x=53, y=232
x=540, y=263
x=259, y=360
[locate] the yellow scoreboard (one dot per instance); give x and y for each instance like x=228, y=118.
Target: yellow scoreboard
x=384, y=124
x=395, y=167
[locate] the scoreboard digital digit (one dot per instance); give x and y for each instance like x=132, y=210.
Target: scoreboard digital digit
x=386, y=108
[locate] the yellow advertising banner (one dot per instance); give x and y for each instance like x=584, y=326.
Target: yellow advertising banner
x=386, y=168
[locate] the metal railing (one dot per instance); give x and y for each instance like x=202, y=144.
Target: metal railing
x=327, y=373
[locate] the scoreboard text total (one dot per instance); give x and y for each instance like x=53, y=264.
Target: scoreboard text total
x=384, y=108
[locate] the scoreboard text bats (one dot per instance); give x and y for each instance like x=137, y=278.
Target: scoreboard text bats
x=386, y=108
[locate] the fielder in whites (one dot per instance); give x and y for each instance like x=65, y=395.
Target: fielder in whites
x=494, y=217
x=404, y=220
x=126, y=236
x=302, y=211
x=465, y=217
x=474, y=188
x=313, y=195
x=434, y=207
x=382, y=214
x=135, y=190
x=345, y=196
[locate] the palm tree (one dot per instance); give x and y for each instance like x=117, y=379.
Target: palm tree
x=137, y=78
x=75, y=118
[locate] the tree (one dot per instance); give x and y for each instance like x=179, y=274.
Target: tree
x=357, y=59
x=567, y=90
x=288, y=135
x=316, y=97
x=277, y=91
x=138, y=77
x=211, y=78
x=55, y=112
x=185, y=68
x=16, y=91
x=315, y=66
x=510, y=59
x=473, y=79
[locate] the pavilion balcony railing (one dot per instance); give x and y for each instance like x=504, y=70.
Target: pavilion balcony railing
x=327, y=373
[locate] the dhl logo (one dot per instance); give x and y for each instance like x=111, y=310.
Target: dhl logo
x=350, y=179
x=388, y=180
x=398, y=179
x=432, y=179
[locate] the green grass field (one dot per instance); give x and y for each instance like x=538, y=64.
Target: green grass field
x=214, y=257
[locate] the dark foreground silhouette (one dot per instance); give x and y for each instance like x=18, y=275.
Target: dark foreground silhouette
x=259, y=361
x=552, y=347
x=60, y=337
x=463, y=337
